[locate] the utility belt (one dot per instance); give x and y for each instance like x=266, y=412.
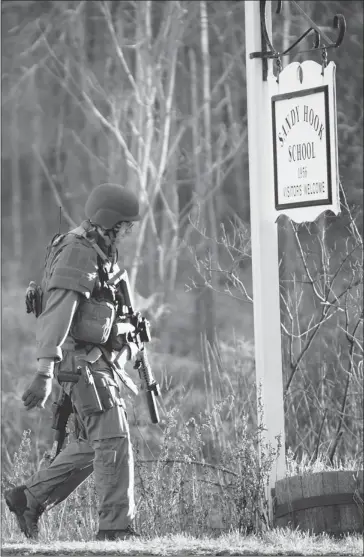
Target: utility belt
x=78, y=355
x=94, y=391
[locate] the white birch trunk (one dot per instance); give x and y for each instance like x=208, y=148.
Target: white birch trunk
x=16, y=213
x=209, y=319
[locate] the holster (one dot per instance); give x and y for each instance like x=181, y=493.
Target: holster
x=68, y=377
x=91, y=403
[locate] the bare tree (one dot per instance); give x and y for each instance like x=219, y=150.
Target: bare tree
x=322, y=330
x=16, y=194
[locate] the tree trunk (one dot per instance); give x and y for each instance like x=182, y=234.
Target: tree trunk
x=37, y=175
x=16, y=213
x=208, y=306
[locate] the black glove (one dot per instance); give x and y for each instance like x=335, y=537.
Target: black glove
x=33, y=299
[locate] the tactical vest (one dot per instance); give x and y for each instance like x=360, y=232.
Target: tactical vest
x=73, y=264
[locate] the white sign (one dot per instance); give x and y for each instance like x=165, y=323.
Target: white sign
x=304, y=141
x=302, y=148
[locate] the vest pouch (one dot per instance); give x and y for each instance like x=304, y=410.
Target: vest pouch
x=108, y=391
x=93, y=321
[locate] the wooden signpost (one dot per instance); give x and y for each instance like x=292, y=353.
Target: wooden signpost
x=264, y=240
x=293, y=170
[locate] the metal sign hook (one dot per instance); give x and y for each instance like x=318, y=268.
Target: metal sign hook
x=268, y=50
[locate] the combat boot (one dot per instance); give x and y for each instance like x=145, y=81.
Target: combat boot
x=113, y=535
x=27, y=515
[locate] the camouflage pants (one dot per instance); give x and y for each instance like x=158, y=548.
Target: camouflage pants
x=105, y=449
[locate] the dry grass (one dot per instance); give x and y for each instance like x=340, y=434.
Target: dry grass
x=183, y=506
x=275, y=542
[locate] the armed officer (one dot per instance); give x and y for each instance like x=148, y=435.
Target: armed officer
x=77, y=315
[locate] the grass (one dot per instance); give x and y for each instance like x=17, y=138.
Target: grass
x=179, y=490
x=203, y=492
x=322, y=463
x=274, y=542
x=172, y=522
x=199, y=486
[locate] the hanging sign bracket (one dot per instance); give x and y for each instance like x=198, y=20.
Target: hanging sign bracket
x=321, y=41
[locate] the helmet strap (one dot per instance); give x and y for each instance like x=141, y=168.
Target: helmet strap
x=108, y=237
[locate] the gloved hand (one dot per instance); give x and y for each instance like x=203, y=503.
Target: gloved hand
x=123, y=328
x=119, y=334
x=133, y=349
x=41, y=387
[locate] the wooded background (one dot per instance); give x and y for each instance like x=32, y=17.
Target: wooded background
x=152, y=95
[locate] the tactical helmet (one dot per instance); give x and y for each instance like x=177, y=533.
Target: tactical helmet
x=109, y=204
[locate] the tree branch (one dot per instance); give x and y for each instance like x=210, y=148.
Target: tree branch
x=53, y=187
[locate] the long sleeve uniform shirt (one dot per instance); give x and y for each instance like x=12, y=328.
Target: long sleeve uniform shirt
x=54, y=323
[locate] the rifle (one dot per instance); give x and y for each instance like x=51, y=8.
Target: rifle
x=61, y=409
x=140, y=337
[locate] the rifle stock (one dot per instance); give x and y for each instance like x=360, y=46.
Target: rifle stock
x=61, y=410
